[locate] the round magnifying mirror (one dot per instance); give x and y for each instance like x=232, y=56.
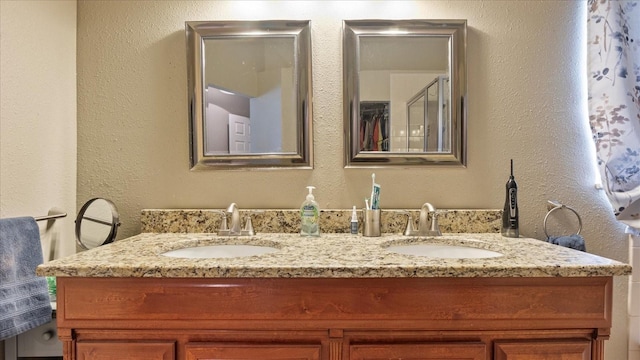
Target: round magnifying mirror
x=97, y=223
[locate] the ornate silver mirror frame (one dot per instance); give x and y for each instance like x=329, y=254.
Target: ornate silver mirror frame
x=239, y=50
x=402, y=46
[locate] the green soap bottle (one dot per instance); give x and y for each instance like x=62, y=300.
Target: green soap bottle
x=310, y=215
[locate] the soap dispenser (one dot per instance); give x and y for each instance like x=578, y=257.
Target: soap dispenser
x=310, y=215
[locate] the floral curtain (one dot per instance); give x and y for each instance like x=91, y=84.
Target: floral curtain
x=613, y=61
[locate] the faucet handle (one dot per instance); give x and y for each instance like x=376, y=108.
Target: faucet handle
x=224, y=228
x=435, y=228
x=248, y=227
x=410, y=230
x=248, y=224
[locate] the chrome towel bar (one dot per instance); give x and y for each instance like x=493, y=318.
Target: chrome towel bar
x=50, y=217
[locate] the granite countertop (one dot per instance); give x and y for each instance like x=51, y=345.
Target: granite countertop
x=330, y=256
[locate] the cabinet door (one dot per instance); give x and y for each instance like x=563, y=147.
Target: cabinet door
x=435, y=351
x=108, y=350
x=579, y=349
x=209, y=351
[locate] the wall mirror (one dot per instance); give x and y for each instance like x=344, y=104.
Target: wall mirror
x=249, y=85
x=405, y=89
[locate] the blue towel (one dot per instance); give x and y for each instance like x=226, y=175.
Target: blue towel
x=571, y=241
x=24, y=297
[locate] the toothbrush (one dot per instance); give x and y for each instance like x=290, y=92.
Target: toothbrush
x=373, y=194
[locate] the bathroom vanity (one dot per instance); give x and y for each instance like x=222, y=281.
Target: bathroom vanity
x=443, y=318
x=339, y=296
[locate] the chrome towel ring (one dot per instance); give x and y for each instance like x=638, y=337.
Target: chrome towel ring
x=553, y=206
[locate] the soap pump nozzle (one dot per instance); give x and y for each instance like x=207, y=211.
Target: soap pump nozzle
x=310, y=194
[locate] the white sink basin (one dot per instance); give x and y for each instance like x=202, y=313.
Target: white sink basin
x=219, y=251
x=443, y=251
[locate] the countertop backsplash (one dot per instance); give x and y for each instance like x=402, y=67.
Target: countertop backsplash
x=331, y=221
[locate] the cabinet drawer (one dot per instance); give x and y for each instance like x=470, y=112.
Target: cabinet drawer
x=431, y=351
x=578, y=349
x=213, y=351
x=116, y=350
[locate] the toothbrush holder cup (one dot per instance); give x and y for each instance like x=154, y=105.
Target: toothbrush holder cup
x=371, y=223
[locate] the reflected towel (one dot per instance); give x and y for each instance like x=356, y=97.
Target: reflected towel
x=24, y=297
x=572, y=241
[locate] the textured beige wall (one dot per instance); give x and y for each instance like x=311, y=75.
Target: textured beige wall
x=634, y=299
x=526, y=102
x=38, y=116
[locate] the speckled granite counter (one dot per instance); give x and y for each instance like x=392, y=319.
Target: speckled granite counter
x=332, y=256
x=332, y=221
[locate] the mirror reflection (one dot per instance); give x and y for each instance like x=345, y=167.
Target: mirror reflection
x=405, y=84
x=249, y=94
x=428, y=122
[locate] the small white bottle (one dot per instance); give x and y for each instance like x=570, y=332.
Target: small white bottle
x=310, y=215
x=354, y=221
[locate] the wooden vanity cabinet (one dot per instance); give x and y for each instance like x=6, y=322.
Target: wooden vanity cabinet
x=334, y=318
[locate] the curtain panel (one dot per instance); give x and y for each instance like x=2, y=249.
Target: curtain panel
x=613, y=61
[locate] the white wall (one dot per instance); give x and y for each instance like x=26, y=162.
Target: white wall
x=526, y=102
x=38, y=116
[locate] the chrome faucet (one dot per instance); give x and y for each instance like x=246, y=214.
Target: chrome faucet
x=236, y=229
x=236, y=226
x=432, y=229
